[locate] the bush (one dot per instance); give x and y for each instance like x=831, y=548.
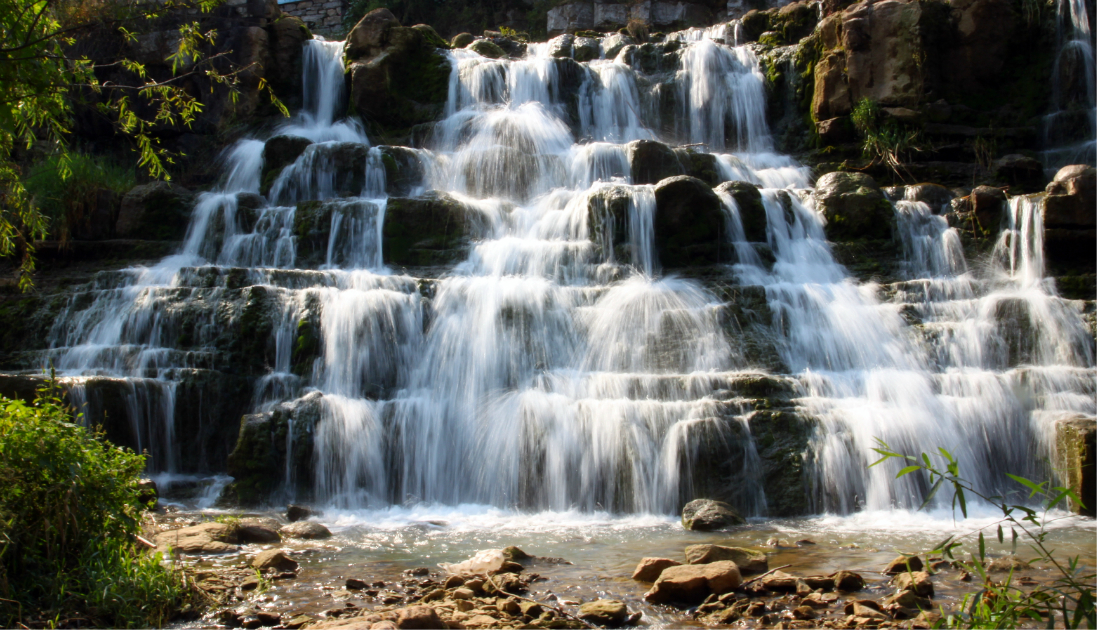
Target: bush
x=69, y=521
x=885, y=141
x=68, y=191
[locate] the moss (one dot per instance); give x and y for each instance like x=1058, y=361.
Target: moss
x=307, y=347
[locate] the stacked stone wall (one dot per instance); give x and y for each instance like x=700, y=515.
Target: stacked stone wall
x=323, y=17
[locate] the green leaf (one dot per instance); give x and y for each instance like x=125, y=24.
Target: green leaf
x=932, y=493
x=908, y=470
x=1036, y=489
x=982, y=547
x=1000, y=535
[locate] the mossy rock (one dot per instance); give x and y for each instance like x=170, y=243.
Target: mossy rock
x=689, y=224
x=278, y=153
x=752, y=212
x=462, y=40
x=487, y=49
x=434, y=229
x=407, y=84
x=701, y=165
x=404, y=172
x=159, y=211
x=854, y=207
x=431, y=36
x=651, y=162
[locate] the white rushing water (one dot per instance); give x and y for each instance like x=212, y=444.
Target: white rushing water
x=543, y=372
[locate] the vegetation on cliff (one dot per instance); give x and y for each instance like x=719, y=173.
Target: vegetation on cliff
x=70, y=516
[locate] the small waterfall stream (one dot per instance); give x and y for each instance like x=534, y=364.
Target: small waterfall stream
x=551, y=370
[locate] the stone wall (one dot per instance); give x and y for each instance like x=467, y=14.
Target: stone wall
x=608, y=15
x=323, y=17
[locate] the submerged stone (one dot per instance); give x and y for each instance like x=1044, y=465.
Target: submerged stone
x=707, y=515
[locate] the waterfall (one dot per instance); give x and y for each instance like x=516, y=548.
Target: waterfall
x=1073, y=91
x=556, y=364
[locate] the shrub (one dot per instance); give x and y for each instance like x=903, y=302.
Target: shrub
x=69, y=521
x=69, y=198
x=884, y=141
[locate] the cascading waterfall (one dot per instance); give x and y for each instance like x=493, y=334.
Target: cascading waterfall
x=1073, y=90
x=551, y=368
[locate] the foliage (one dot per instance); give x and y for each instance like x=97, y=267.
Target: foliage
x=884, y=141
x=1068, y=601
x=69, y=521
x=451, y=17
x=66, y=201
x=42, y=77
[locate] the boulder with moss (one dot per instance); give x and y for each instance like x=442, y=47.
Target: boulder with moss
x=433, y=229
x=689, y=224
x=854, y=207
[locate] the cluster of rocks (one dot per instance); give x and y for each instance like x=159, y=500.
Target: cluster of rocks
x=228, y=535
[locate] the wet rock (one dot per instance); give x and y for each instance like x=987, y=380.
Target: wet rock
x=865, y=608
x=903, y=564
x=156, y=212
x=848, y=581
x=306, y=530
x=462, y=40
x=1023, y=174
x=1070, y=222
x=694, y=582
x=278, y=153
x=453, y=581
x=937, y=197
x=989, y=205
x=585, y=49
x=487, y=49
x=560, y=47
x=1076, y=458
x=649, y=569
x=908, y=599
x=355, y=584
x=803, y=612
x=854, y=207
x=432, y=229
x=917, y=581
x=749, y=561
x=689, y=223
x=703, y=166
x=615, y=43
x=708, y=515
x=370, y=35
x=515, y=554
x=296, y=513
x=273, y=559
x=1006, y=564
x=651, y=162
x=298, y=621
x=414, y=617
x=206, y=538
x=604, y=612
x=254, y=531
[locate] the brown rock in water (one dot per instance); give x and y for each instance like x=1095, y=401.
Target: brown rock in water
x=865, y=608
x=1006, y=564
x=917, y=581
x=902, y=564
x=848, y=581
x=989, y=204
x=694, y=582
x=296, y=513
x=909, y=599
x=707, y=515
x=257, y=531
x=306, y=530
x=749, y=561
x=604, y=612
x=199, y=539
x=416, y=617
x=273, y=559
x=649, y=569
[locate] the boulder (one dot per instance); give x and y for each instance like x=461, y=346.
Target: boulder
x=418, y=617
x=147, y=492
x=560, y=47
x=651, y=162
x=306, y=530
x=615, y=43
x=689, y=223
x=917, y=581
x=255, y=531
x=909, y=599
x=433, y=229
x=404, y=172
x=937, y=197
x=205, y=538
x=848, y=581
x=156, y=212
x=278, y=153
x=752, y=213
x=1023, y=174
x=604, y=612
x=854, y=207
x=1075, y=459
x=287, y=37
x=462, y=40
x=749, y=561
x=694, y=582
x=487, y=49
x=989, y=205
x=649, y=569
x=703, y=166
x=273, y=559
x=398, y=75
x=296, y=513
x=1072, y=198
x=707, y=515
x=585, y=49
x=903, y=564
x=1006, y=564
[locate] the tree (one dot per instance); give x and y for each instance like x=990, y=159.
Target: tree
x=43, y=79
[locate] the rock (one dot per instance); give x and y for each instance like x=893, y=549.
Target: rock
x=275, y=559
x=694, y=582
x=1071, y=198
x=355, y=584
x=560, y=47
x=1006, y=564
x=604, y=612
x=989, y=205
x=462, y=40
x=568, y=18
x=615, y=43
x=848, y=581
x=399, y=77
x=752, y=213
x=1075, y=455
x=296, y=513
x=278, y=153
x=462, y=593
x=689, y=223
x=917, y=581
x=404, y=172
x=707, y=515
x=433, y=229
x=156, y=212
x=306, y=530
x=1022, y=173
x=298, y=621
x=415, y=617
x=254, y=531
x=515, y=554
x=651, y=162
x=287, y=37
x=903, y=564
x=903, y=114
x=835, y=130
x=199, y=539
x=585, y=49
x=1072, y=171
x=937, y=197
x=865, y=608
x=147, y=493
x=909, y=599
x=649, y=569
x=854, y=207
x=749, y=561
x=487, y=49
x=803, y=612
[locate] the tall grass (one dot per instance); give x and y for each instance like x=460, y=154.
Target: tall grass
x=69, y=521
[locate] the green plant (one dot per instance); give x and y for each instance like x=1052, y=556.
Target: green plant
x=69, y=520
x=1068, y=601
x=68, y=201
x=884, y=140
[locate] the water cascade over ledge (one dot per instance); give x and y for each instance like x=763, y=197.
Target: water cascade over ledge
x=493, y=318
